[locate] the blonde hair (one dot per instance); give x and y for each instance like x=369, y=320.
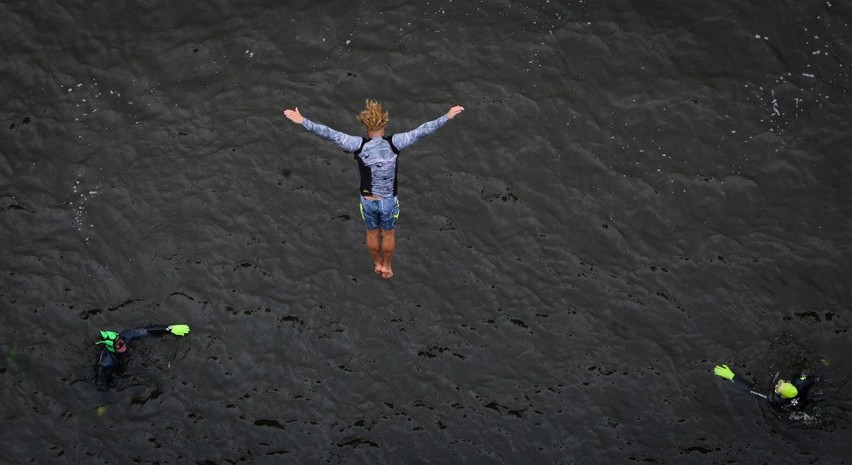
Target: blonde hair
x=373, y=117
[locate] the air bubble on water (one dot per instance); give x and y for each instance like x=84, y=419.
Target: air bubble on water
x=775, y=110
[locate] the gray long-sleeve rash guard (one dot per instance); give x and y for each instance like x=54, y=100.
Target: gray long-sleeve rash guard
x=376, y=158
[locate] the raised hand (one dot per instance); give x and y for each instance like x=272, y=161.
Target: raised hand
x=294, y=115
x=178, y=330
x=723, y=371
x=454, y=111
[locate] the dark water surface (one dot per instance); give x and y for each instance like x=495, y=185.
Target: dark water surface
x=638, y=190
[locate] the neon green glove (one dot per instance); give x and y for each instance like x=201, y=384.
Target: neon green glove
x=724, y=372
x=178, y=330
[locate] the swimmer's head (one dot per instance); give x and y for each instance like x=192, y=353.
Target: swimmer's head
x=373, y=117
x=786, y=390
x=112, y=341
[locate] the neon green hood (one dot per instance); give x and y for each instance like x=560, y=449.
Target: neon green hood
x=109, y=338
x=786, y=390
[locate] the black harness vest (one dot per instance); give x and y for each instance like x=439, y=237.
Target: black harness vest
x=366, y=188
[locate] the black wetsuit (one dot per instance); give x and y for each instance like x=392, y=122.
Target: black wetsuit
x=803, y=386
x=110, y=362
x=799, y=402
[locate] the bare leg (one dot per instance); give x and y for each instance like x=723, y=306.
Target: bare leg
x=373, y=242
x=388, y=244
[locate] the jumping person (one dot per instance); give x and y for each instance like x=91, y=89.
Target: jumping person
x=791, y=394
x=377, y=164
x=115, y=348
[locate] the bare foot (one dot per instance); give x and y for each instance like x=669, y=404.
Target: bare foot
x=387, y=272
x=378, y=268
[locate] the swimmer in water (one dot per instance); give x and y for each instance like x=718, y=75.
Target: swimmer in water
x=792, y=394
x=115, y=345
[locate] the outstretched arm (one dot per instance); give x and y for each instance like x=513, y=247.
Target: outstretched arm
x=741, y=383
x=343, y=140
x=154, y=330
x=406, y=139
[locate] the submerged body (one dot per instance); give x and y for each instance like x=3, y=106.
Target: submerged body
x=793, y=395
x=116, y=345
